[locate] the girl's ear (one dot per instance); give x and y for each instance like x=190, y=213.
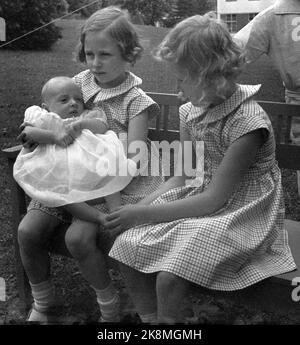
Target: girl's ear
x=135, y=55
x=44, y=106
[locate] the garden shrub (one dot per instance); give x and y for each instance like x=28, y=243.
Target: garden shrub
x=23, y=16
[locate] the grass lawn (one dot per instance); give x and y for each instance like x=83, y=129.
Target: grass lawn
x=22, y=74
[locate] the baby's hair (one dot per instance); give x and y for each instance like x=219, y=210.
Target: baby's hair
x=116, y=23
x=202, y=46
x=51, y=84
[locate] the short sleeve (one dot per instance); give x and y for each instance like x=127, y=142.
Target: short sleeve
x=141, y=103
x=78, y=79
x=33, y=115
x=184, y=111
x=41, y=118
x=248, y=118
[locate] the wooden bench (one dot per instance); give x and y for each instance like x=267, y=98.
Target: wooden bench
x=288, y=157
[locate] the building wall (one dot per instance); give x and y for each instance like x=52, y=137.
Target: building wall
x=242, y=6
x=236, y=12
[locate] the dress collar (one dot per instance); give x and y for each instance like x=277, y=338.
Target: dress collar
x=209, y=115
x=90, y=88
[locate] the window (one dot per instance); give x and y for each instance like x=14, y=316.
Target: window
x=230, y=20
x=251, y=16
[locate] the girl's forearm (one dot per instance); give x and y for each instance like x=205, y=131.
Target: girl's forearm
x=172, y=182
x=39, y=135
x=83, y=211
x=194, y=206
x=94, y=125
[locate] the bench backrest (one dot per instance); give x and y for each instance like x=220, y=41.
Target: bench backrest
x=281, y=114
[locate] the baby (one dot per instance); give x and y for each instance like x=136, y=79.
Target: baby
x=77, y=158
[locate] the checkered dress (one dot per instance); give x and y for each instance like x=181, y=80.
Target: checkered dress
x=240, y=244
x=120, y=104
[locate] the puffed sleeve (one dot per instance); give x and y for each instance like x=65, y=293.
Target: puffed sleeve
x=41, y=118
x=140, y=103
x=78, y=79
x=33, y=115
x=184, y=112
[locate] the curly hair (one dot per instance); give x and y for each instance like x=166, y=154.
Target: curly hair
x=116, y=23
x=202, y=46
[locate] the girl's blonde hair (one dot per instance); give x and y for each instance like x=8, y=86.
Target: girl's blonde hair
x=202, y=46
x=116, y=23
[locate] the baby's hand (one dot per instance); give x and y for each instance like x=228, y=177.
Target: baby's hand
x=26, y=137
x=63, y=139
x=74, y=129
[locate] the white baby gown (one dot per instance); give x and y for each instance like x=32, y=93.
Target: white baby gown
x=93, y=166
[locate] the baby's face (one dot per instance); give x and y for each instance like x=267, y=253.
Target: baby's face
x=66, y=100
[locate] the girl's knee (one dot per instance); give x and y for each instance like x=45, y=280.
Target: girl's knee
x=81, y=239
x=31, y=232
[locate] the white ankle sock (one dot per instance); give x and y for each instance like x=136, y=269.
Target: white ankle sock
x=43, y=295
x=109, y=303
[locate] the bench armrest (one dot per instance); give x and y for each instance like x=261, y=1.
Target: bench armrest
x=12, y=152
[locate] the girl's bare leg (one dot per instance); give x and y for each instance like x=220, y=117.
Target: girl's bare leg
x=171, y=291
x=141, y=288
x=81, y=241
x=34, y=232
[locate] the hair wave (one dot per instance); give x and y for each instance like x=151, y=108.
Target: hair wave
x=204, y=48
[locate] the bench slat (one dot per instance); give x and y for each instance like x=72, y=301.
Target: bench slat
x=288, y=129
x=280, y=108
x=12, y=152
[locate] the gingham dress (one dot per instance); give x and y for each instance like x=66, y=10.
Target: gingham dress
x=242, y=243
x=120, y=104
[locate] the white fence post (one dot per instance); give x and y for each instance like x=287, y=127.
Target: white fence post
x=2, y=29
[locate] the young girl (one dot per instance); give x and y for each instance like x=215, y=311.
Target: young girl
x=227, y=232
x=108, y=46
x=79, y=159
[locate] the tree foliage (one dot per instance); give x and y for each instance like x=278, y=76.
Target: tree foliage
x=86, y=7
x=181, y=9
x=151, y=11
x=23, y=16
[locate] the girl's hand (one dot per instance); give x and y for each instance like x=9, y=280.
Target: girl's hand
x=124, y=218
x=27, y=136
x=102, y=219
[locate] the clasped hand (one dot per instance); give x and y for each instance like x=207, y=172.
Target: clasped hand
x=66, y=138
x=31, y=136
x=25, y=136
x=123, y=218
